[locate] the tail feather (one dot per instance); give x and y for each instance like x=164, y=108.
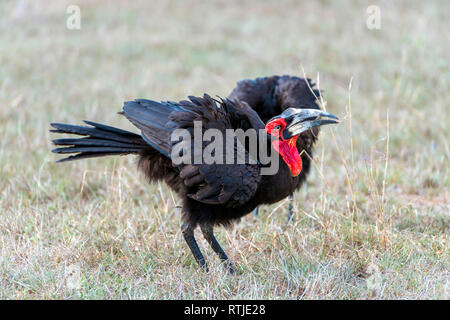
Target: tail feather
x=101, y=140
x=90, y=142
x=89, y=155
x=99, y=131
x=109, y=128
x=92, y=149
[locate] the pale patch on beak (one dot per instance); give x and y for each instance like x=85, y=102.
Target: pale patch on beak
x=301, y=120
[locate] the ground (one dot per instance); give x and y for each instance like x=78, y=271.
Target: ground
x=371, y=223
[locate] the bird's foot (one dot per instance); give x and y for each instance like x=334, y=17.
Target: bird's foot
x=230, y=267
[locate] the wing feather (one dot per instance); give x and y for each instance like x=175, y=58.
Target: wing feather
x=220, y=184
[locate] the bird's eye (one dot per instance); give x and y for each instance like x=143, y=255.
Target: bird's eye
x=278, y=127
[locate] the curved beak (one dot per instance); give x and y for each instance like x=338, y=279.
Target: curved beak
x=301, y=120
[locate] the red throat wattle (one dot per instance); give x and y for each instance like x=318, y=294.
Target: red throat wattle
x=288, y=151
x=286, y=148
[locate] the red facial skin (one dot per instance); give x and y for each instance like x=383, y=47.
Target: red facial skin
x=286, y=148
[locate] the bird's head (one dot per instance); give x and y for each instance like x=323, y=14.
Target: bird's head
x=288, y=126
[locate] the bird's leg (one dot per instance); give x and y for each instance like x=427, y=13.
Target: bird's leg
x=255, y=212
x=188, y=234
x=208, y=233
x=290, y=218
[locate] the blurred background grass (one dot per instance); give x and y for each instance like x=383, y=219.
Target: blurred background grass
x=372, y=222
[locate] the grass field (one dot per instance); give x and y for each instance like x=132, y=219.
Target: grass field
x=371, y=223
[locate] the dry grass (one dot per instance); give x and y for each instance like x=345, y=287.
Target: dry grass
x=372, y=222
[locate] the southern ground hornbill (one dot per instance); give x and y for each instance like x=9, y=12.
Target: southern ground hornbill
x=283, y=108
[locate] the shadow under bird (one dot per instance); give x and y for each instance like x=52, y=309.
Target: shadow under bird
x=214, y=194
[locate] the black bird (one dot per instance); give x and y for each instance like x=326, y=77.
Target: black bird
x=214, y=193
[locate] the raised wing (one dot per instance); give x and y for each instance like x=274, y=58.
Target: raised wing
x=270, y=96
x=216, y=183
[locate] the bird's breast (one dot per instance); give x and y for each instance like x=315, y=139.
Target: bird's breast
x=274, y=188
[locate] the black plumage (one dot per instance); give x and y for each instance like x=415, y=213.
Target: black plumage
x=270, y=96
x=214, y=193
